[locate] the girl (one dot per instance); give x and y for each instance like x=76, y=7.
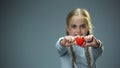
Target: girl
x=78, y=24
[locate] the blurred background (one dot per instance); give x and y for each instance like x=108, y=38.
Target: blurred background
x=29, y=30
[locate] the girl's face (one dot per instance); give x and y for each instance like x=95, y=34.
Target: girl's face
x=77, y=26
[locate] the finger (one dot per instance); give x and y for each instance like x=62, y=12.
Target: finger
x=69, y=44
x=67, y=38
x=87, y=44
x=88, y=38
x=71, y=39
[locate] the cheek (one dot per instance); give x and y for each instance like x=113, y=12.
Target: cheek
x=71, y=31
x=85, y=31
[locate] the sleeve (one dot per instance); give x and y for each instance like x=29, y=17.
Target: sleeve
x=98, y=50
x=61, y=49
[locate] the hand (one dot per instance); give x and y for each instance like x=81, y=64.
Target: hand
x=68, y=41
x=90, y=40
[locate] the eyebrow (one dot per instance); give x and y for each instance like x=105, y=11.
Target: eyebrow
x=83, y=24
x=80, y=24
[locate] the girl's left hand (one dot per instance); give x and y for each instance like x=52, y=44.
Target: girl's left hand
x=90, y=40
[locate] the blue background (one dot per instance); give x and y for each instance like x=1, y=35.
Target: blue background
x=30, y=29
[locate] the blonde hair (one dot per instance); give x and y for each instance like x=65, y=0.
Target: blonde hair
x=86, y=17
x=84, y=14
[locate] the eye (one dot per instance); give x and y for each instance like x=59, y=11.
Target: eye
x=83, y=26
x=74, y=26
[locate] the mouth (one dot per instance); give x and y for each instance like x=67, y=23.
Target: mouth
x=78, y=35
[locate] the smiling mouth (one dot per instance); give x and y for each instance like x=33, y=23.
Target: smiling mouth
x=78, y=34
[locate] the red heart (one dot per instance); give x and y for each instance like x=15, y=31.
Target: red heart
x=79, y=41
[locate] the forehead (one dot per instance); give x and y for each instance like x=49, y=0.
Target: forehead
x=77, y=20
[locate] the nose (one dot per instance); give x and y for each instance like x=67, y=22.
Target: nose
x=78, y=30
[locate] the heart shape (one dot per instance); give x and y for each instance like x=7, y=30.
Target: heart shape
x=79, y=41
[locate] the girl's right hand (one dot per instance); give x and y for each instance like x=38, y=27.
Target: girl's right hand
x=68, y=41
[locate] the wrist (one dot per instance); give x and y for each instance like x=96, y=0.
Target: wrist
x=61, y=42
x=97, y=44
